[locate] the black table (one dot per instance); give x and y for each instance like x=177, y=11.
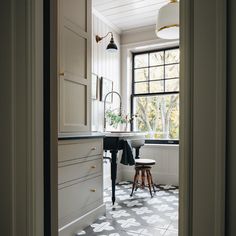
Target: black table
x=114, y=144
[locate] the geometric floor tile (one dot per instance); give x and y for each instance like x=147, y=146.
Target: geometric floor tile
x=139, y=215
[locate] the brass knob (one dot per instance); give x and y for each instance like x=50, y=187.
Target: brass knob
x=93, y=148
x=93, y=167
x=62, y=74
x=93, y=190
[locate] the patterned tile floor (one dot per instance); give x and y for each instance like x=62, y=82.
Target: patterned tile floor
x=139, y=215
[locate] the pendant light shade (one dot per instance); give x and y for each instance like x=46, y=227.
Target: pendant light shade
x=167, y=26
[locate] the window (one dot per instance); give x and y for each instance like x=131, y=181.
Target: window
x=155, y=95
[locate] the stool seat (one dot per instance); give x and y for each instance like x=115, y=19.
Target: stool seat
x=145, y=162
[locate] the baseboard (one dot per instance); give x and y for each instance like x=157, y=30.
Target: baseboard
x=158, y=178
x=82, y=222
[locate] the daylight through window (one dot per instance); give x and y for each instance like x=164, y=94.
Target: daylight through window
x=155, y=95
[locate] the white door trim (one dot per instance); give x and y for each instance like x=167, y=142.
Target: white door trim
x=35, y=107
x=194, y=147
x=190, y=218
x=22, y=118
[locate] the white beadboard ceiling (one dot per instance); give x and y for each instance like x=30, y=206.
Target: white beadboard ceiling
x=129, y=14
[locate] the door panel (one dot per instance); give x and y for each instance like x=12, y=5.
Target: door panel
x=75, y=53
x=76, y=17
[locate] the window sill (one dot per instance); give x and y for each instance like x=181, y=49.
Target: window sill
x=161, y=145
x=158, y=141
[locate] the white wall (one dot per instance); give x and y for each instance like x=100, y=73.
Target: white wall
x=166, y=156
x=117, y=67
x=143, y=34
x=167, y=164
x=104, y=64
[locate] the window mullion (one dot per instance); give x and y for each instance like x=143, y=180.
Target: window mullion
x=166, y=95
x=164, y=71
x=149, y=72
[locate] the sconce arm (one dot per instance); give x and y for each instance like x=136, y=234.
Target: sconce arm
x=98, y=38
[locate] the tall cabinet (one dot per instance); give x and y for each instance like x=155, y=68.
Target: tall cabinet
x=74, y=33
x=80, y=159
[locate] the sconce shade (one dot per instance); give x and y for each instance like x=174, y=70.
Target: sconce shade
x=167, y=26
x=112, y=46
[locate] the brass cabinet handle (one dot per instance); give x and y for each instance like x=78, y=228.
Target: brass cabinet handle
x=62, y=74
x=93, y=190
x=93, y=167
x=93, y=148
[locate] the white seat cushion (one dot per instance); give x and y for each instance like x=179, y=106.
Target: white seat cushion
x=145, y=162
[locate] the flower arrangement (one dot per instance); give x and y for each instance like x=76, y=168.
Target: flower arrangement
x=116, y=119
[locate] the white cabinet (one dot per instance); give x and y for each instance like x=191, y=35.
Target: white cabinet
x=80, y=168
x=74, y=65
x=80, y=184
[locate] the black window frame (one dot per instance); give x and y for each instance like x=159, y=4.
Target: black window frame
x=133, y=95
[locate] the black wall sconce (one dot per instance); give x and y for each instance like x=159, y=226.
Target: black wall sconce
x=111, y=47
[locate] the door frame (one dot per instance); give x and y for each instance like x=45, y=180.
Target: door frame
x=50, y=49
x=22, y=118
x=195, y=37
x=192, y=215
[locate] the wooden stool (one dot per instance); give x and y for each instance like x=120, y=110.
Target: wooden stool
x=143, y=166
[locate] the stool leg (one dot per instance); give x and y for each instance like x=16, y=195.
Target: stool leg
x=143, y=179
x=149, y=181
x=152, y=182
x=135, y=181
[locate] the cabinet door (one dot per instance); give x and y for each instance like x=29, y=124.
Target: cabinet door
x=74, y=65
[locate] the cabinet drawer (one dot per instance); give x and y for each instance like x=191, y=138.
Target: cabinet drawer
x=76, y=170
x=74, y=149
x=74, y=200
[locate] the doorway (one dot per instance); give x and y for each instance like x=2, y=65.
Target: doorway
x=192, y=140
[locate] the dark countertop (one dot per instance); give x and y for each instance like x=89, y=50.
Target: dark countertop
x=81, y=135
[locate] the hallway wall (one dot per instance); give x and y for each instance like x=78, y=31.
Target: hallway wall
x=6, y=122
x=21, y=104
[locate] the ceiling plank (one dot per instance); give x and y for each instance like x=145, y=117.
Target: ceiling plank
x=112, y=4
x=134, y=14
x=132, y=7
x=129, y=14
x=100, y=2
